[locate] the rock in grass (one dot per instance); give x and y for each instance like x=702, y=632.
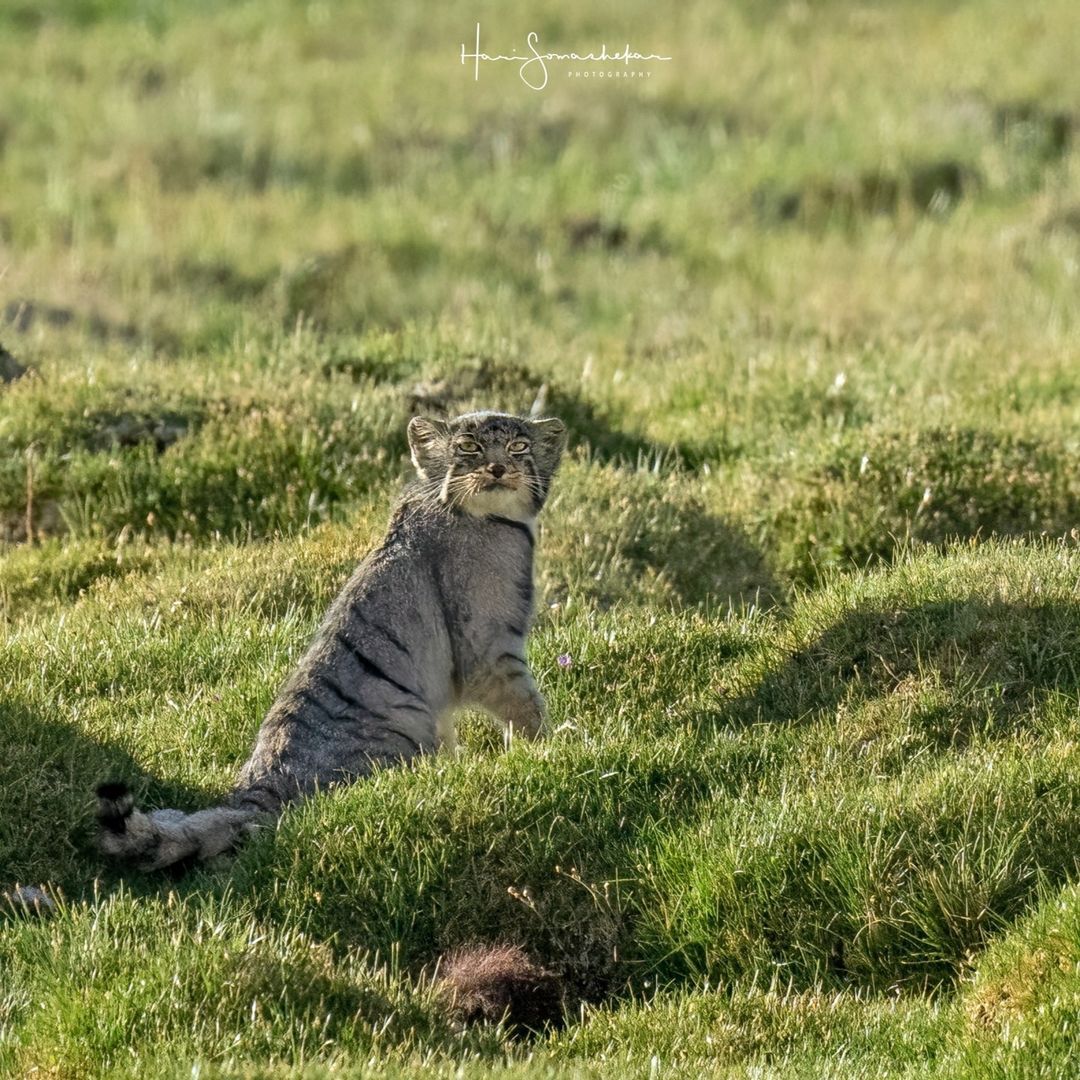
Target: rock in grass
x=10, y=368
x=28, y=900
x=489, y=983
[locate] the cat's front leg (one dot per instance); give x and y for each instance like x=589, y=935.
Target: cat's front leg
x=508, y=691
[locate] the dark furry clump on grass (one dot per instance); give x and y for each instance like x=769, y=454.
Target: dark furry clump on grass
x=489, y=983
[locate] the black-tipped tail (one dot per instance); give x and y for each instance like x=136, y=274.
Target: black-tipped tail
x=114, y=806
x=165, y=838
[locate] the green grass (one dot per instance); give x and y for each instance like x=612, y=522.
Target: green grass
x=806, y=300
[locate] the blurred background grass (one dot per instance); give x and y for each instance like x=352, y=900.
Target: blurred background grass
x=806, y=297
x=828, y=253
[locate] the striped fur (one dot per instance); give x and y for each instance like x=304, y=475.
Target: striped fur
x=433, y=619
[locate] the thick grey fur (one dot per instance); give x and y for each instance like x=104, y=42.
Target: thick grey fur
x=433, y=619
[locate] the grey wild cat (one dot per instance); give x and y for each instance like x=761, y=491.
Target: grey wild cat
x=434, y=618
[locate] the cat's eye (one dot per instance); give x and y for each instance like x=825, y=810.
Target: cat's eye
x=468, y=446
x=518, y=446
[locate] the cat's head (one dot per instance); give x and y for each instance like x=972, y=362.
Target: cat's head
x=487, y=462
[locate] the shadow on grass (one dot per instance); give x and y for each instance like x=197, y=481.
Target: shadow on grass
x=994, y=659
x=706, y=558
x=614, y=537
x=880, y=856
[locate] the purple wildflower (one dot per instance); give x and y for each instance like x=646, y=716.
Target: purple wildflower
x=564, y=660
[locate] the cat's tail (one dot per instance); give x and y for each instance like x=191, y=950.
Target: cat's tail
x=152, y=841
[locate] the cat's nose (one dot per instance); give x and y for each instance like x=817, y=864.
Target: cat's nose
x=498, y=471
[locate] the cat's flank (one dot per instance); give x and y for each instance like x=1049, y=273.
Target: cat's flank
x=434, y=618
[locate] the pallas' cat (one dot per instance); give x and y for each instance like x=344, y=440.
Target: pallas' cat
x=434, y=618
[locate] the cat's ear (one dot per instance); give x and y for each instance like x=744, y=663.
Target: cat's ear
x=426, y=439
x=550, y=434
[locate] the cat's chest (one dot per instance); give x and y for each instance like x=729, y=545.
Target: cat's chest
x=489, y=571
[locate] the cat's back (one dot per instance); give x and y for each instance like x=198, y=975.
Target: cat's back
x=415, y=544
x=391, y=600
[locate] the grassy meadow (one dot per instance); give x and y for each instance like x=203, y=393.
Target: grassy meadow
x=807, y=298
